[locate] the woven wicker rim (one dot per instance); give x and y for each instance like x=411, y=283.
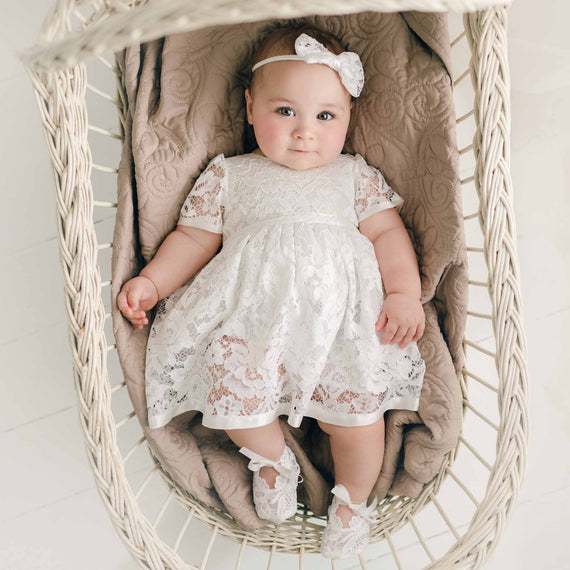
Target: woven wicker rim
x=114, y=24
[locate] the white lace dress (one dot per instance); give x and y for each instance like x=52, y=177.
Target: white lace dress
x=282, y=319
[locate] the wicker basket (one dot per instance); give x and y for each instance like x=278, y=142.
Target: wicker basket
x=458, y=518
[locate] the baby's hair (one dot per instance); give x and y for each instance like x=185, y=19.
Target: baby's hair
x=280, y=40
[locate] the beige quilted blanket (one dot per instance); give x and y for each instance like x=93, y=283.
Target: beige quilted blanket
x=185, y=105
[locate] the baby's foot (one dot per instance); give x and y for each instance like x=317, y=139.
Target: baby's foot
x=275, y=503
x=345, y=514
x=269, y=475
x=348, y=530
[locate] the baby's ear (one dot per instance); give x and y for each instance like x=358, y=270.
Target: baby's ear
x=248, y=106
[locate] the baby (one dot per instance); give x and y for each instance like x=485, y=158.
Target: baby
x=289, y=318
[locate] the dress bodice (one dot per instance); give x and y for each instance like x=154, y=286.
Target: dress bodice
x=261, y=190
x=250, y=190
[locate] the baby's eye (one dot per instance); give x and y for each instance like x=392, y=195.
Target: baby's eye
x=285, y=111
x=325, y=116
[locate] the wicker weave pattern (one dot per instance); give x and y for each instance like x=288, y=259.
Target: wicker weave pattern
x=60, y=84
x=61, y=97
x=116, y=23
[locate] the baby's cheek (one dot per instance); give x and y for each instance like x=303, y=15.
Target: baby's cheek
x=267, y=130
x=337, y=139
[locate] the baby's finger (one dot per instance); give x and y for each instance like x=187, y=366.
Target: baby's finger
x=389, y=333
x=137, y=314
x=407, y=338
x=140, y=316
x=381, y=322
x=139, y=323
x=402, y=331
x=419, y=332
x=122, y=302
x=134, y=299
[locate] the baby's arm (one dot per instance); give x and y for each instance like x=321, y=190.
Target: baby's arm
x=182, y=254
x=402, y=312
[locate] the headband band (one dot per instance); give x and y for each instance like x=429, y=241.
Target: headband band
x=347, y=64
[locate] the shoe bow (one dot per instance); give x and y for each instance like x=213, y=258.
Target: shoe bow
x=257, y=462
x=366, y=512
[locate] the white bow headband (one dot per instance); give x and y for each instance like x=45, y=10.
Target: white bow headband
x=309, y=50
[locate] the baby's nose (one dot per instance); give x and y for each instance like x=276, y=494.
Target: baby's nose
x=303, y=132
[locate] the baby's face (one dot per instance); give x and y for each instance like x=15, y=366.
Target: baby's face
x=300, y=113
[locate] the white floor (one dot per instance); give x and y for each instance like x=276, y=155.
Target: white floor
x=51, y=516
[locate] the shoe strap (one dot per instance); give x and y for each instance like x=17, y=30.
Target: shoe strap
x=257, y=462
x=366, y=512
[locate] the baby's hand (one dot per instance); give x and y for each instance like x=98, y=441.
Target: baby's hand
x=137, y=296
x=402, y=318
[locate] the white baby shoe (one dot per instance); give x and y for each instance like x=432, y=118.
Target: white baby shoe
x=342, y=542
x=280, y=503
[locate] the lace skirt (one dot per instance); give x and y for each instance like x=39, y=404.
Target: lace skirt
x=280, y=322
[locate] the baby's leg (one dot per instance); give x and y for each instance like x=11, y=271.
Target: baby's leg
x=267, y=441
x=357, y=453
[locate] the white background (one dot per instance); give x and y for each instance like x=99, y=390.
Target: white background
x=50, y=512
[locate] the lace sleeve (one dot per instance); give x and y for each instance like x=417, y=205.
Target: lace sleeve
x=372, y=193
x=203, y=208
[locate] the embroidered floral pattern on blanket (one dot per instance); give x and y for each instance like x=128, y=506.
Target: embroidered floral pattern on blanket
x=281, y=320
